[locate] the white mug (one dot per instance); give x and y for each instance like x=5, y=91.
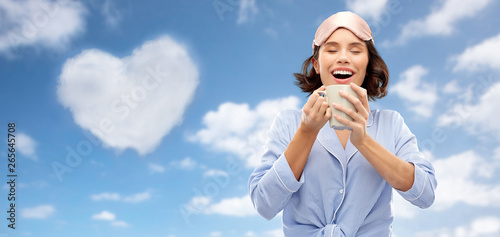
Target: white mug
x=332, y=96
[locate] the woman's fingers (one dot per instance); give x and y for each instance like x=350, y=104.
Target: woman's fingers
x=361, y=110
x=328, y=113
x=362, y=107
x=355, y=116
x=311, y=101
x=316, y=111
x=320, y=104
x=324, y=107
x=362, y=94
x=321, y=88
x=344, y=121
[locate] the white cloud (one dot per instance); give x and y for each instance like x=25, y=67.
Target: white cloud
x=111, y=217
x=402, y=208
x=443, y=18
x=239, y=207
x=39, y=22
x=199, y=202
x=38, y=212
x=211, y=173
x=368, y=9
x=232, y=207
x=139, y=197
x=271, y=32
x=119, y=223
x=275, y=233
x=247, y=11
x=457, y=183
x=478, y=113
x=419, y=95
x=215, y=233
x=250, y=234
x=156, y=168
x=110, y=13
x=105, y=216
x=130, y=102
x=26, y=146
x=451, y=87
x=226, y=131
x=269, y=233
x=479, y=57
x=106, y=196
x=496, y=157
x=461, y=179
x=185, y=164
x=480, y=227
x=134, y=198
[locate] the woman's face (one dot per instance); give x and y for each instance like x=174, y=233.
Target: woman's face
x=343, y=59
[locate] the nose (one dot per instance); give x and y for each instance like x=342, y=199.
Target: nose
x=343, y=57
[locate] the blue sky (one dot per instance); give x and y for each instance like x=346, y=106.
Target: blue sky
x=146, y=118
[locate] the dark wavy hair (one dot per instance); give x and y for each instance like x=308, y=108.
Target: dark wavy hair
x=375, y=82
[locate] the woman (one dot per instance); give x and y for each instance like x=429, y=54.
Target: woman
x=339, y=182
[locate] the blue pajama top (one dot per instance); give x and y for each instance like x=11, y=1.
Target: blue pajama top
x=339, y=192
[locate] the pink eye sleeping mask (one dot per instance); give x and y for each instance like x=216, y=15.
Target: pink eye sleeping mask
x=348, y=20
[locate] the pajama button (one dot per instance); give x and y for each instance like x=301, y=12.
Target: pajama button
x=341, y=191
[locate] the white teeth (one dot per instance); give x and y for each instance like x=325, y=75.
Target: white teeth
x=342, y=72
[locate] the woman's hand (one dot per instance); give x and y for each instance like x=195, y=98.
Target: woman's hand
x=315, y=112
x=358, y=134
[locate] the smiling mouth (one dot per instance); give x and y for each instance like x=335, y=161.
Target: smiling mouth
x=341, y=74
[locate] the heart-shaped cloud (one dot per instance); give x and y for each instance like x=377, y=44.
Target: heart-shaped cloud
x=129, y=102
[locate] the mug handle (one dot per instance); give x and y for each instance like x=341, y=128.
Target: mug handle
x=323, y=93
